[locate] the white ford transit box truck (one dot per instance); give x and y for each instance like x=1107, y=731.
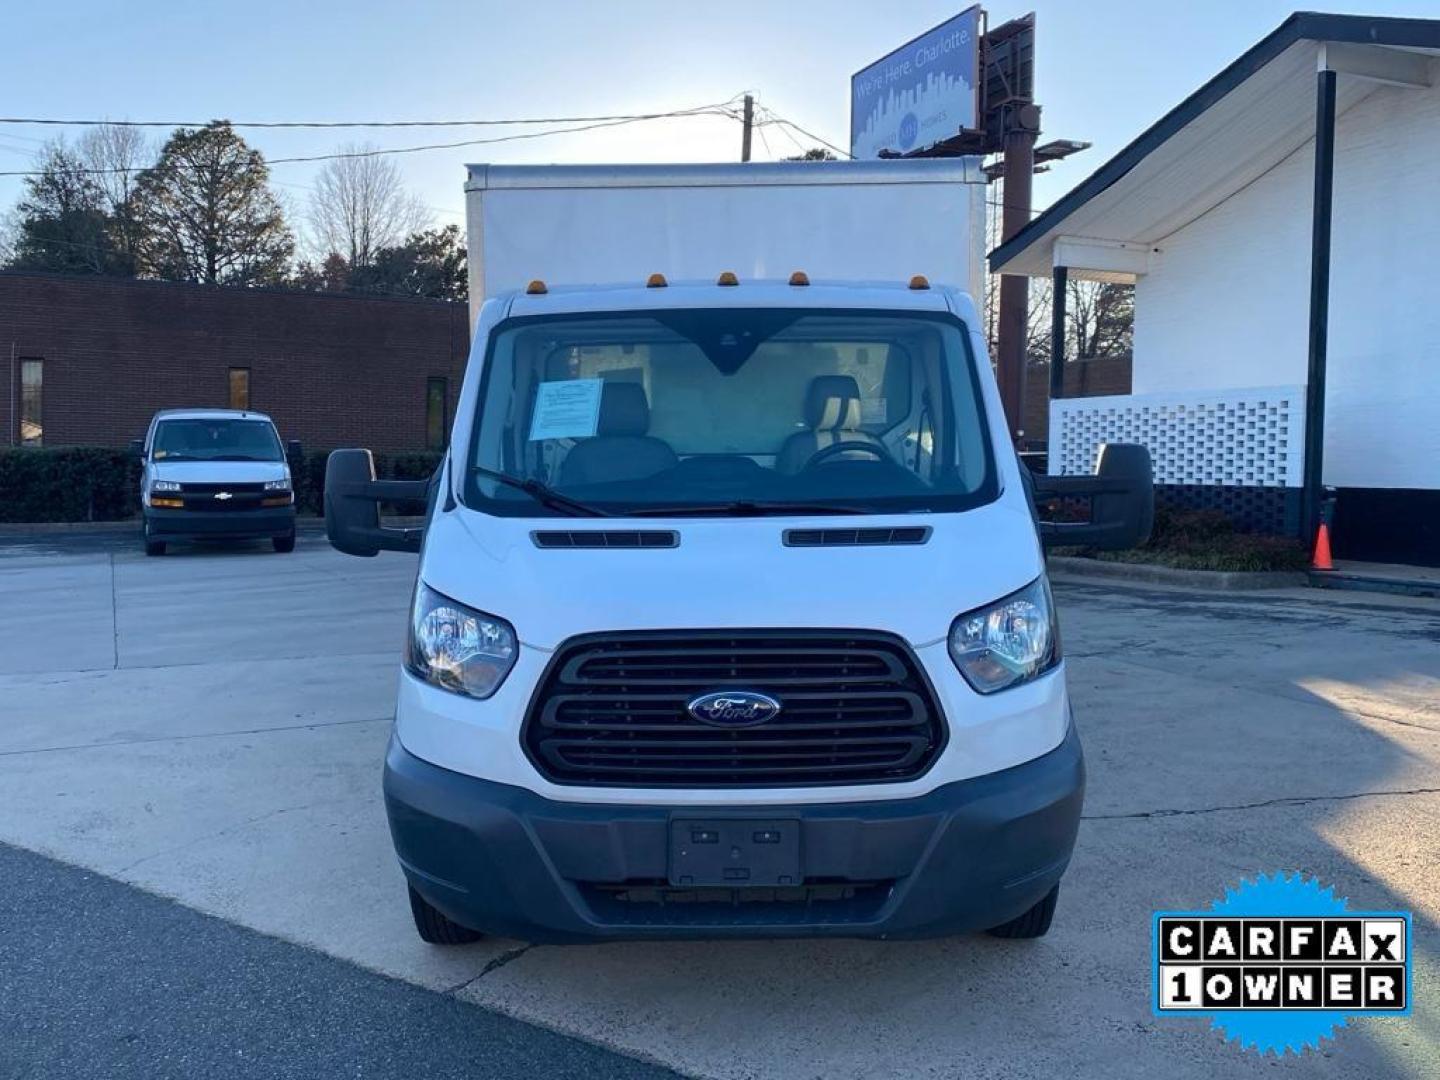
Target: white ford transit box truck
x=731, y=617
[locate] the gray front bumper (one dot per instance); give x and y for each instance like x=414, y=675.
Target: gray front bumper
x=261, y=524
x=965, y=857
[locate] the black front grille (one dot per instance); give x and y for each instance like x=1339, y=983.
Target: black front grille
x=611, y=710
x=248, y=488
x=219, y=498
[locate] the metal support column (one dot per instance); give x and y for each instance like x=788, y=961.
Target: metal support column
x=1010, y=353
x=1319, y=302
x=747, y=126
x=1060, y=278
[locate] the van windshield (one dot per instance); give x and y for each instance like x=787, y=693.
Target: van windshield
x=730, y=411
x=196, y=439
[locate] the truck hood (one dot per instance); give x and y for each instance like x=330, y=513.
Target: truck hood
x=218, y=472
x=731, y=572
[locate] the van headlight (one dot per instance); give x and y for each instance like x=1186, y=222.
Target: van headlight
x=278, y=485
x=164, y=485
x=1008, y=642
x=457, y=648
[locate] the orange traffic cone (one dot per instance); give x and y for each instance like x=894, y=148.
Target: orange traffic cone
x=1321, y=559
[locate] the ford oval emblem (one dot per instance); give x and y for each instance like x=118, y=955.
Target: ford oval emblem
x=734, y=708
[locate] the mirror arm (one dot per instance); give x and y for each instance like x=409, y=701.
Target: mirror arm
x=1050, y=487
x=387, y=538
x=1121, y=494
x=384, y=490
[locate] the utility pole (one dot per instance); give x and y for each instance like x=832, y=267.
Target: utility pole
x=748, y=128
x=1021, y=125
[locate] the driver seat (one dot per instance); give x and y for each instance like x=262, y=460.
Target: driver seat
x=832, y=413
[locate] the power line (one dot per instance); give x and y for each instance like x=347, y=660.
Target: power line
x=718, y=109
x=776, y=118
x=348, y=123
x=784, y=131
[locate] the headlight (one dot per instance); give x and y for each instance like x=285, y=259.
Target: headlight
x=164, y=485
x=457, y=648
x=277, y=485
x=1008, y=642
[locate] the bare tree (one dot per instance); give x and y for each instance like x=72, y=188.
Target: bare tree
x=1037, y=323
x=360, y=206
x=9, y=230
x=116, y=156
x=1100, y=319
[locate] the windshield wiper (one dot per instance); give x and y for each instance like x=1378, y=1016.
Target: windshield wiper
x=746, y=508
x=545, y=496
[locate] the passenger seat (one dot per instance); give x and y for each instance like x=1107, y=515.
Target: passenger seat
x=620, y=449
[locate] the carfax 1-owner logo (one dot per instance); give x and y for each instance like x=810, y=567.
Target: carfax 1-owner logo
x=1280, y=963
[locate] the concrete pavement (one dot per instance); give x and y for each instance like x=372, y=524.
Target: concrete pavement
x=210, y=726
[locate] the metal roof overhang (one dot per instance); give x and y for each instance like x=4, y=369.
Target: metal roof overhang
x=1233, y=130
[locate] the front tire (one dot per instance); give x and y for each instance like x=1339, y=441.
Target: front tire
x=434, y=928
x=284, y=544
x=154, y=547
x=1030, y=924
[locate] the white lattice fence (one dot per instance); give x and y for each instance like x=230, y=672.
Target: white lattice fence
x=1249, y=437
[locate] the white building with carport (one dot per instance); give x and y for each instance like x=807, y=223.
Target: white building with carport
x=1282, y=229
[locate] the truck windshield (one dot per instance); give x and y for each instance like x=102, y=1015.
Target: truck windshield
x=731, y=411
x=196, y=439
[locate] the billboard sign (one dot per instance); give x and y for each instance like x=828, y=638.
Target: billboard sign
x=922, y=93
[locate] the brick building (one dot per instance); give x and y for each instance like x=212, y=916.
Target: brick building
x=89, y=359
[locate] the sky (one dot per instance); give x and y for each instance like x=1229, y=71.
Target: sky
x=1105, y=69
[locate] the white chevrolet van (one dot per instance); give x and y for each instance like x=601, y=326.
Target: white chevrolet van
x=732, y=620
x=212, y=474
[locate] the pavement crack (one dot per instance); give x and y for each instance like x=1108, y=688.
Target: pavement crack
x=114, y=618
x=494, y=964
x=1294, y=800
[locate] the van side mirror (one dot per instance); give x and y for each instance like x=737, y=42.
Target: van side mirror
x=352, y=506
x=137, y=449
x=1121, y=496
x=293, y=450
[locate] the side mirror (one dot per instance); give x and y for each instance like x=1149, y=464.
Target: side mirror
x=1122, y=501
x=137, y=449
x=352, y=506
x=293, y=449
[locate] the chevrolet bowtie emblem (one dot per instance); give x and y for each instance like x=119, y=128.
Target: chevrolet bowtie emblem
x=223, y=495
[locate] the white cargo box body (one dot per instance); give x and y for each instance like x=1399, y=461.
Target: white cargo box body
x=835, y=220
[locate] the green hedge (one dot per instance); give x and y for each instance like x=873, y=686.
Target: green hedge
x=73, y=483
x=83, y=483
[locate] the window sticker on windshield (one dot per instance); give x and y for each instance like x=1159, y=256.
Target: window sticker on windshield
x=567, y=409
x=873, y=411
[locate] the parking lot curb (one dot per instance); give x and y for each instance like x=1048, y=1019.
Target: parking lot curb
x=1148, y=574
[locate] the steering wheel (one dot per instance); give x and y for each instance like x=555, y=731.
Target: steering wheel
x=875, y=450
